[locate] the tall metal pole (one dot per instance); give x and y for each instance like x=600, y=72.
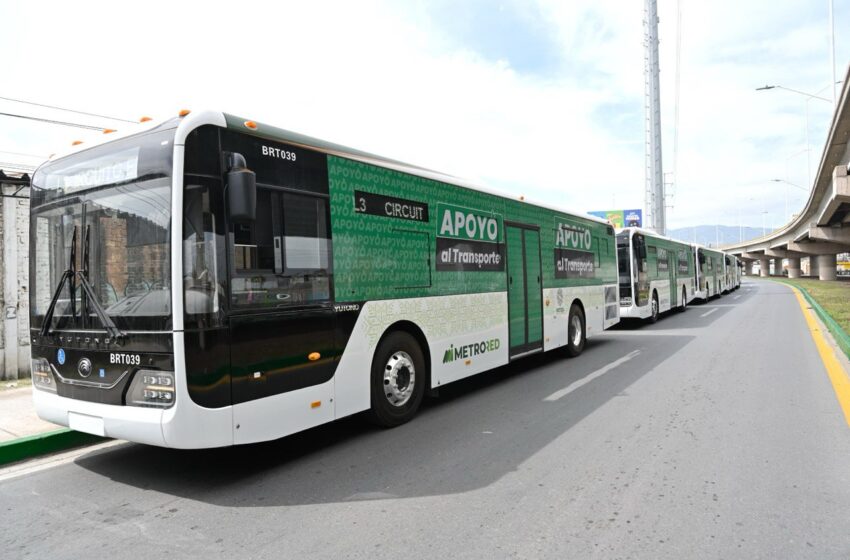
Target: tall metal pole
x=654, y=192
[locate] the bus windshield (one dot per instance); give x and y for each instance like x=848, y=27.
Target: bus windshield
x=115, y=202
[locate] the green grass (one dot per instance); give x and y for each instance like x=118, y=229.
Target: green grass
x=834, y=297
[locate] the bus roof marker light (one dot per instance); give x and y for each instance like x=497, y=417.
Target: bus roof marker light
x=76, y=142
x=251, y=124
x=109, y=130
x=183, y=112
x=145, y=119
x=313, y=356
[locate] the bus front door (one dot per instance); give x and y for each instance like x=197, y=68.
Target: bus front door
x=525, y=290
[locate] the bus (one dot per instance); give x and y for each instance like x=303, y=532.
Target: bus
x=733, y=272
x=729, y=267
x=656, y=274
x=209, y=281
x=710, y=272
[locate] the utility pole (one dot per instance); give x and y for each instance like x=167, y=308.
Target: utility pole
x=654, y=189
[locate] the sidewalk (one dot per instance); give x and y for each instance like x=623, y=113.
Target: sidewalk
x=17, y=414
x=23, y=435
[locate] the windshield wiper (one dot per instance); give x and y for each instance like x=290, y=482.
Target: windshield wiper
x=105, y=319
x=69, y=274
x=90, y=298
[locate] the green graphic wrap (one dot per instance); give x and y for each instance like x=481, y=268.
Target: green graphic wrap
x=381, y=257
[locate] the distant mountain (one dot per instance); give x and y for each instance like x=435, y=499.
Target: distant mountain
x=711, y=236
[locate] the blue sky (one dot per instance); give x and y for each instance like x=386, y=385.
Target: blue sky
x=537, y=98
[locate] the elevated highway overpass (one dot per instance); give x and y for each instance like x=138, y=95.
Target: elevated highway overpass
x=822, y=229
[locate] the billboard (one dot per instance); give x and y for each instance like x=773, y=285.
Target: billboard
x=621, y=218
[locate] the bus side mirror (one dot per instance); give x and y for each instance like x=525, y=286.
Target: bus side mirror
x=241, y=190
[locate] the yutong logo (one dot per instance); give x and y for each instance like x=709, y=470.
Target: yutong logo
x=470, y=350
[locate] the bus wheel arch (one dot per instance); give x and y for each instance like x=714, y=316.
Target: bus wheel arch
x=655, y=306
x=575, y=345
x=399, y=375
x=415, y=331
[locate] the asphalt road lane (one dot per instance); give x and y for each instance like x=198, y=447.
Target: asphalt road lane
x=720, y=437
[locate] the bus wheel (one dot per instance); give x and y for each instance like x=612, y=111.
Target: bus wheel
x=398, y=380
x=654, y=317
x=576, y=337
x=684, y=300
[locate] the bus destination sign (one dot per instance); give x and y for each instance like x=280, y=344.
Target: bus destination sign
x=390, y=207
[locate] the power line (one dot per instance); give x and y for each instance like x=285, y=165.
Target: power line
x=68, y=110
x=22, y=154
x=51, y=121
x=11, y=165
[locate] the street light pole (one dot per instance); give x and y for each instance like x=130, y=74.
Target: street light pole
x=809, y=97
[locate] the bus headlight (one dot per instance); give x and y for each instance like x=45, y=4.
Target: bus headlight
x=42, y=378
x=152, y=388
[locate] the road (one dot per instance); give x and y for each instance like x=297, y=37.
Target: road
x=712, y=434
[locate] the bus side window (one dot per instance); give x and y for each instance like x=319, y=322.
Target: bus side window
x=283, y=257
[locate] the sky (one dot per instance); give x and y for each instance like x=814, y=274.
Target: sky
x=539, y=98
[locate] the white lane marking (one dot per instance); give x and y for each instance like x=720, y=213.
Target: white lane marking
x=709, y=312
x=36, y=465
x=735, y=297
x=587, y=379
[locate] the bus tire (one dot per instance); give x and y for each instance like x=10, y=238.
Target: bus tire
x=576, y=331
x=397, y=380
x=654, y=317
x=684, y=300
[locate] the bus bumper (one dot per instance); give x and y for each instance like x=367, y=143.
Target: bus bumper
x=184, y=426
x=635, y=312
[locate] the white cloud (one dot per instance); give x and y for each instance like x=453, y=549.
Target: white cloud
x=380, y=77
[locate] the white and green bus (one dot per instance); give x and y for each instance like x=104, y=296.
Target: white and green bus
x=733, y=272
x=656, y=274
x=209, y=281
x=711, y=273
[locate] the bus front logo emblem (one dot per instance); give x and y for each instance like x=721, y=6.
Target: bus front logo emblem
x=60, y=356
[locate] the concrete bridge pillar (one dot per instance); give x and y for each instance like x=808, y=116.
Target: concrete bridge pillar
x=764, y=267
x=827, y=265
x=748, y=268
x=777, y=267
x=813, y=266
x=794, y=268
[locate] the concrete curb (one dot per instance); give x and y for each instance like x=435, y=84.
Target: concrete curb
x=840, y=335
x=42, y=444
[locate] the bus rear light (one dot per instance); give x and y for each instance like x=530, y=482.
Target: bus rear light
x=152, y=388
x=42, y=378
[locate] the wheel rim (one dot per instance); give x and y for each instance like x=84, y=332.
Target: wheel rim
x=684, y=299
x=399, y=378
x=654, y=307
x=576, y=326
